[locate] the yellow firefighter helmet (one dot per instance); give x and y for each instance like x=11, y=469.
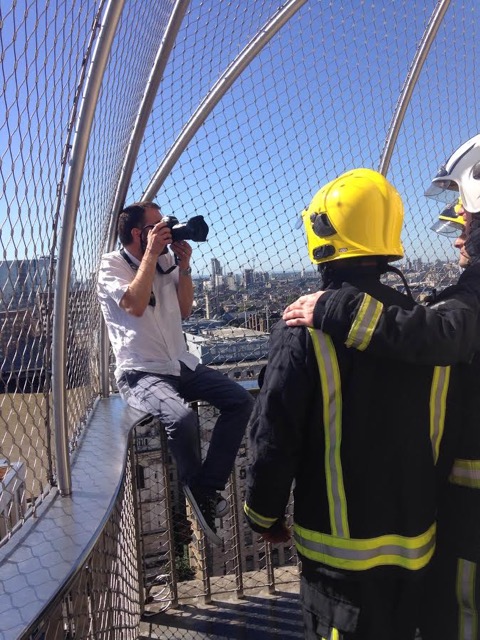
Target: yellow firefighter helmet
x=356, y=215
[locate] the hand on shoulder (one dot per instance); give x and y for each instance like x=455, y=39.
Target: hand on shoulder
x=300, y=312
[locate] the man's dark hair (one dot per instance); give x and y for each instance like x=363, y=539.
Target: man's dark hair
x=132, y=217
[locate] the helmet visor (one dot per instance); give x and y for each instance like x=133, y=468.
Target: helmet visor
x=447, y=227
x=451, y=221
x=441, y=190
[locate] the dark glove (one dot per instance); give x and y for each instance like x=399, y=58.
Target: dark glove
x=472, y=243
x=279, y=532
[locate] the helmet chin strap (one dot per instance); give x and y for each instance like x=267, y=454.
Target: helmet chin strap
x=389, y=267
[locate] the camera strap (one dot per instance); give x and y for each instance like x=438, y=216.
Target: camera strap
x=134, y=266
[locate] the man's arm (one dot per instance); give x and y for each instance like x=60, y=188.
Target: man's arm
x=136, y=298
x=443, y=334
x=276, y=434
x=183, y=251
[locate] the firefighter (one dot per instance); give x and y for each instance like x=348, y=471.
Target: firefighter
x=357, y=435
x=451, y=605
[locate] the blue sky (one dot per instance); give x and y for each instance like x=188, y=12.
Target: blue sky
x=317, y=101
x=299, y=116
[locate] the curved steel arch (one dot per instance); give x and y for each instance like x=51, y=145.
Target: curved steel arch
x=72, y=195
x=219, y=89
x=410, y=83
x=144, y=112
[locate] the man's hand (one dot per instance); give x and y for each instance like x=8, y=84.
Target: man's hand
x=300, y=312
x=183, y=251
x=158, y=237
x=278, y=533
x=472, y=242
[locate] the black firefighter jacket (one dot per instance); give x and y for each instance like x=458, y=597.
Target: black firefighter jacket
x=359, y=436
x=446, y=332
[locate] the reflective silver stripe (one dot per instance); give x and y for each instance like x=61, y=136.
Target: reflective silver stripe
x=357, y=554
x=466, y=473
x=438, y=396
x=467, y=612
x=332, y=420
x=364, y=324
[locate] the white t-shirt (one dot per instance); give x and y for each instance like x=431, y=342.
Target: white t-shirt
x=154, y=342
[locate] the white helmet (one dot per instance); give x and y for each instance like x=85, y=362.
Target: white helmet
x=460, y=173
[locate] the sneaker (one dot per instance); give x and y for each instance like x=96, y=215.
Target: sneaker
x=221, y=507
x=203, y=504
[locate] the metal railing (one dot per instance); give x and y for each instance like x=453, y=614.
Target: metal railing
x=126, y=544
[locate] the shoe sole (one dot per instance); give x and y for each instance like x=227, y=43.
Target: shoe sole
x=209, y=532
x=222, y=508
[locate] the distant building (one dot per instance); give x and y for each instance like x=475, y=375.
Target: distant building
x=228, y=344
x=25, y=322
x=21, y=280
x=216, y=270
x=231, y=282
x=248, y=278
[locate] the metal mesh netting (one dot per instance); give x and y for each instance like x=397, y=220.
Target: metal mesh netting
x=43, y=50
x=183, y=573
x=103, y=598
x=259, y=106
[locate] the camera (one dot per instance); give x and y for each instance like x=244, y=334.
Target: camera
x=195, y=228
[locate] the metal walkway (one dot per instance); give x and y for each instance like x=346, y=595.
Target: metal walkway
x=261, y=616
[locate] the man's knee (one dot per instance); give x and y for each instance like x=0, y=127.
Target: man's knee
x=180, y=424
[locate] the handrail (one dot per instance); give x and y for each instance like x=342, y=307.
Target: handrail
x=68, y=529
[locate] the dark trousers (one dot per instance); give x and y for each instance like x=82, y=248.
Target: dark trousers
x=339, y=608
x=168, y=397
x=451, y=606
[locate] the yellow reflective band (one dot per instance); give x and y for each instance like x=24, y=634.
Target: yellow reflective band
x=333, y=635
x=355, y=554
x=438, y=397
x=467, y=610
x=255, y=517
x=365, y=323
x=466, y=473
x=332, y=423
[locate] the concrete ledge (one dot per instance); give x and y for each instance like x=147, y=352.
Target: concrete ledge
x=46, y=553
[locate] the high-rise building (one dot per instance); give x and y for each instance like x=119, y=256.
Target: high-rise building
x=248, y=277
x=216, y=270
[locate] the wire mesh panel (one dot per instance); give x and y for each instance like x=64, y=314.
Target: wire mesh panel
x=103, y=599
x=48, y=60
x=179, y=563
x=316, y=101
x=44, y=49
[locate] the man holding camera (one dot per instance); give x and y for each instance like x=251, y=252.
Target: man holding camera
x=145, y=290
